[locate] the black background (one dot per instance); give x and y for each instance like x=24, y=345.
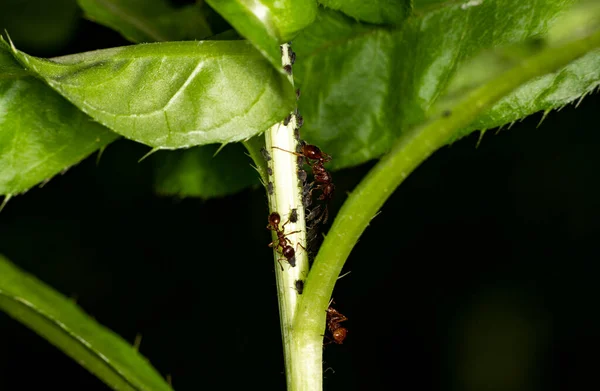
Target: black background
x=480, y=273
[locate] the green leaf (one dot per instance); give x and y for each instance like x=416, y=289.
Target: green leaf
x=267, y=23
x=374, y=11
x=66, y=326
x=174, y=94
x=41, y=134
x=414, y=146
x=148, y=20
x=363, y=86
x=196, y=172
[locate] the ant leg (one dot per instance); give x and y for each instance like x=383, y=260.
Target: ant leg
x=285, y=150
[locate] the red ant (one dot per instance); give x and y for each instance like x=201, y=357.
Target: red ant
x=334, y=318
x=322, y=176
x=282, y=242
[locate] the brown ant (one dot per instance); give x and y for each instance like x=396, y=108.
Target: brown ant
x=282, y=242
x=334, y=318
x=322, y=177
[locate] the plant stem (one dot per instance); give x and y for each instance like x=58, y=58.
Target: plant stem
x=408, y=152
x=303, y=370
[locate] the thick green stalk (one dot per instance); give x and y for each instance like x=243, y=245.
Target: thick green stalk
x=303, y=368
x=410, y=150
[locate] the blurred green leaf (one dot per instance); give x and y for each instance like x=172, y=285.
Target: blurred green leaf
x=41, y=133
x=363, y=86
x=148, y=20
x=195, y=172
x=174, y=94
x=66, y=326
x=418, y=4
x=267, y=23
x=42, y=26
x=374, y=11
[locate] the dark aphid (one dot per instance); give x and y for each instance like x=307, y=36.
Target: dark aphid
x=302, y=176
x=292, y=56
x=299, y=121
x=294, y=215
x=270, y=188
x=288, y=69
x=297, y=133
x=299, y=286
x=269, y=171
x=287, y=120
x=297, y=93
x=446, y=113
x=265, y=154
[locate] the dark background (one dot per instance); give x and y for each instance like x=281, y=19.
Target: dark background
x=480, y=273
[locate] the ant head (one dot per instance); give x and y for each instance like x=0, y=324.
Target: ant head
x=274, y=219
x=312, y=152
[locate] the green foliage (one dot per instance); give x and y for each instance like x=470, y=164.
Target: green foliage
x=41, y=133
x=197, y=172
x=267, y=23
x=40, y=25
x=172, y=95
x=60, y=321
x=377, y=12
x=148, y=21
x=363, y=86
x=412, y=86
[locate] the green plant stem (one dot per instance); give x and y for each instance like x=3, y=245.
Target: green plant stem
x=303, y=371
x=409, y=151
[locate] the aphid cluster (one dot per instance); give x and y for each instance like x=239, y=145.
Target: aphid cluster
x=316, y=196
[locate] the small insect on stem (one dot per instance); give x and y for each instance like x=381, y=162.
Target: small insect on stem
x=282, y=241
x=293, y=215
x=287, y=120
x=288, y=69
x=334, y=318
x=299, y=286
x=265, y=154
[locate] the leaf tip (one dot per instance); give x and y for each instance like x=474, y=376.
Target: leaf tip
x=544, y=115
x=481, y=133
x=7, y=198
x=152, y=151
x=137, y=342
x=219, y=149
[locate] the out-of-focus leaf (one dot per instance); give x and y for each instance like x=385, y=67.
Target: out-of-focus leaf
x=362, y=86
x=267, y=23
x=66, y=326
x=148, y=20
x=174, y=94
x=419, y=4
x=374, y=11
x=41, y=26
x=196, y=172
x=41, y=133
